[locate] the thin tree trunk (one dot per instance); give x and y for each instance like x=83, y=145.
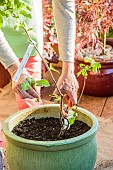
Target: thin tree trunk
x=104, y=42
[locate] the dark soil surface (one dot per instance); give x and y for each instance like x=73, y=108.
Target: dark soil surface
x=48, y=129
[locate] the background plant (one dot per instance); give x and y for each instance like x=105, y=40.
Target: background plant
x=49, y=33
x=94, y=19
x=17, y=9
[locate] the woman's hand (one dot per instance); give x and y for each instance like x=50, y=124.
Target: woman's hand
x=16, y=86
x=67, y=82
x=30, y=93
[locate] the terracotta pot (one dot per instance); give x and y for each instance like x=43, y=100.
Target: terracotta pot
x=109, y=41
x=100, y=84
x=4, y=76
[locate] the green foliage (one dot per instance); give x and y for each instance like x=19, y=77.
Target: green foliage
x=25, y=85
x=15, y=9
x=1, y=21
x=56, y=98
x=110, y=33
x=2, y=2
x=74, y=107
x=71, y=116
x=29, y=29
x=91, y=66
x=53, y=69
x=36, y=100
x=71, y=120
x=31, y=83
x=42, y=83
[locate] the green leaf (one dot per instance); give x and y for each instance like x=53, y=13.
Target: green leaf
x=16, y=16
x=2, y=2
x=31, y=81
x=3, y=13
x=70, y=113
x=15, y=27
x=21, y=25
x=71, y=116
x=79, y=73
x=56, y=97
x=42, y=83
x=25, y=86
x=57, y=100
x=17, y=3
x=84, y=73
x=29, y=29
x=53, y=69
x=81, y=65
x=1, y=21
x=36, y=100
x=87, y=60
x=96, y=65
x=71, y=120
x=8, y=5
x=24, y=13
x=28, y=7
x=74, y=106
x=28, y=16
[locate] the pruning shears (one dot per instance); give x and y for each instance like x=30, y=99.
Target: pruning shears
x=65, y=121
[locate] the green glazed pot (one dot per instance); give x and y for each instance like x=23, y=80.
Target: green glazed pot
x=78, y=153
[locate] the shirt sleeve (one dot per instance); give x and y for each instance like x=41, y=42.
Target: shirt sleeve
x=7, y=56
x=64, y=14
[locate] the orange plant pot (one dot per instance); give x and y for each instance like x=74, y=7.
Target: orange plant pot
x=4, y=76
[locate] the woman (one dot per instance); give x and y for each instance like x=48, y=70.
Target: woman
x=64, y=13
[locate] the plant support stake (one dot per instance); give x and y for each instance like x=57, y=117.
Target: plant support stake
x=23, y=63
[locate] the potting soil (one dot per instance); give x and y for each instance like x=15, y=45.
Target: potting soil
x=48, y=129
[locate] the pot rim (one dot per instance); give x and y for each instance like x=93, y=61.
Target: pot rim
x=53, y=144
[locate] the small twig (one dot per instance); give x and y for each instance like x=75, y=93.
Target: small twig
x=82, y=91
x=61, y=108
x=103, y=106
x=61, y=117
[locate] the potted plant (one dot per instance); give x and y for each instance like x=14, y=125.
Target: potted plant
x=38, y=138
x=94, y=24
